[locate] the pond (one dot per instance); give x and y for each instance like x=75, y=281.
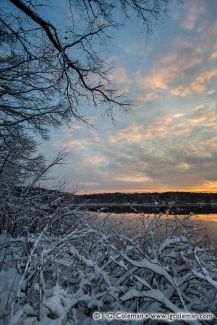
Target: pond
x=133, y=221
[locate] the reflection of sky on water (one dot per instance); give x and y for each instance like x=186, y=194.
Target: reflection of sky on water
x=212, y=217
x=132, y=223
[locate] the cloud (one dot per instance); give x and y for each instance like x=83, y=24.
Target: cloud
x=79, y=143
x=183, y=165
x=200, y=107
x=172, y=151
x=211, y=185
x=148, y=97
x=94, y=160
x=194, y=11
x=181, y=153
x=179, y=42
x=187, y=70
x=133, y=179
x=156, y=80
x=180, y=91
x=170, y=142
x=211, y=92
x=200, y=82
x=213, y=56
x=119, y=76
x=207, y=37
x=130, y=134
x=171, y=75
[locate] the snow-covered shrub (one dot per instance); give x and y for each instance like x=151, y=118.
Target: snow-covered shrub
x=168, y=265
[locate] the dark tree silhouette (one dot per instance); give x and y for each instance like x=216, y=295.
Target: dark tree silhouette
x=49, y=68
x=48, y=71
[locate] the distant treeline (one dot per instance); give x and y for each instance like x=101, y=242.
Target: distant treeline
x=177, y=202
x=147, y=198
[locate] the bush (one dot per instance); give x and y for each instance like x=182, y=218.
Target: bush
x=74, y=263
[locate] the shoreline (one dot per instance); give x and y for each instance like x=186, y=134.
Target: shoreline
x=178, y=209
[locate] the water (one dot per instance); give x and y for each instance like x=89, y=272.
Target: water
x=132, y=221
x=212, y=217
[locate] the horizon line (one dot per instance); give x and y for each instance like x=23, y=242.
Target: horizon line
x=146, y=192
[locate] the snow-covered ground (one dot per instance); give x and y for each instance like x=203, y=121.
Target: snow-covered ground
x=61, y=266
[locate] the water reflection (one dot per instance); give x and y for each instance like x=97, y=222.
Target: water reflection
x=132, y=222
x=212, y=217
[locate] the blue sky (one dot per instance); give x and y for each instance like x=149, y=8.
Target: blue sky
x=168, y=141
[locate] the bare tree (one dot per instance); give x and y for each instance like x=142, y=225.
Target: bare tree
x=18, y=157
x=48, y=71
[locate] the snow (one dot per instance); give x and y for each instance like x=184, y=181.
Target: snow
x=51, y=278
x=9, y=281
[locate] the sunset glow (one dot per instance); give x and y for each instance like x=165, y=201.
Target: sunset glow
x=168, y=140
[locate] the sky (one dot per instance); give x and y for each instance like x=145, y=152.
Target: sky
x=168, y=141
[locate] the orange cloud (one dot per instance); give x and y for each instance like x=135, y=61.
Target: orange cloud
x=94, y=160
x=170, y=125
x=200, y=107
x=133, y=178
x=200, y=82
x=172, y=70
x=204, y=187
x=158, y=79
x=210, y=186
x=81, y=143
x=183, y=166
x=213, y=56
x=149, y=97
x=210, y=143
x=131, y=134
x=180, y=91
